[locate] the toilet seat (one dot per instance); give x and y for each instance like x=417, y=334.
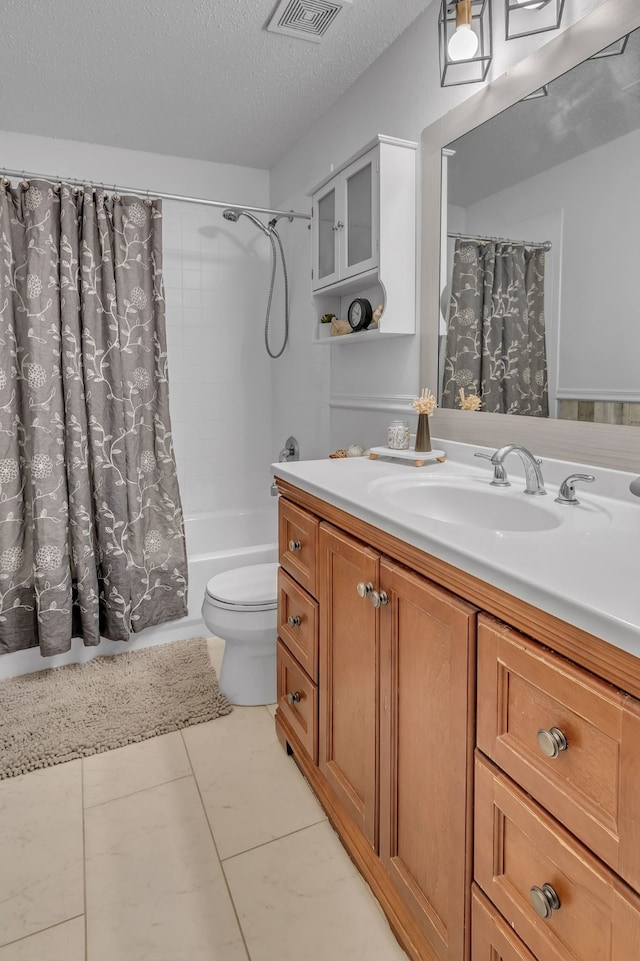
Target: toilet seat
x=252, y=588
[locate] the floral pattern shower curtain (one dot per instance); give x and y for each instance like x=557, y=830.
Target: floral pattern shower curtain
x=91, y=527
x=496, y=334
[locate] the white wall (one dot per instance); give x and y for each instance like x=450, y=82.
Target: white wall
x=216, y=280
x=399, y=95
x=592, y=316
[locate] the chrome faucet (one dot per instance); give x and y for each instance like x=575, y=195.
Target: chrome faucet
x=532, y=472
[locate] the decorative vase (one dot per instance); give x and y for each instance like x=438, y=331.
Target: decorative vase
x=423, y=434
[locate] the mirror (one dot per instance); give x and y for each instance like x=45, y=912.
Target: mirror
x=556, y=170
x=478, y=126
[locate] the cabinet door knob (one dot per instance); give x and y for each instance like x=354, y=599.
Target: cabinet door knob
x=544, y=900
x=378, y=598
x=551, y=742
x=293, y=621
x=293, y=698
x=364, y=589
x=295, y=546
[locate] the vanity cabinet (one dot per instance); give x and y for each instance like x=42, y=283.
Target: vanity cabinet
x=363, y=235
x=485, y=784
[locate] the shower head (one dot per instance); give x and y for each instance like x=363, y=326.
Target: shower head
x=233, y=214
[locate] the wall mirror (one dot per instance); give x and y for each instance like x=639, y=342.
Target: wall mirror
x=547, y=154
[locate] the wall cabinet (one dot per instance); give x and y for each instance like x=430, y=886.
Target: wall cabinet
x=345, y=237
x=363, y=238
x=486, y=787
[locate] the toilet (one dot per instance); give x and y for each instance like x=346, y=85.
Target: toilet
x=240, y=606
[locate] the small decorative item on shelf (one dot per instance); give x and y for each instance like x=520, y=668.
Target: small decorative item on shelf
x=339, y=327
x=377, y=314
x=327, y=318
x=470, y=402
x=339, y=453
x=425, y=404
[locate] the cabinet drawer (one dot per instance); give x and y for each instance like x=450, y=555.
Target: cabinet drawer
x=298, y=701
x=298, y=623
x=519, y=846
x=593, y=784
x=491, y=937
x=298, y=543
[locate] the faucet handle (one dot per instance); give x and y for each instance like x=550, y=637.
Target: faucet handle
x=567, y=492
x=500, y=478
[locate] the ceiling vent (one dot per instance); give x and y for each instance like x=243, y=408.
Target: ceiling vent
x=305, y=19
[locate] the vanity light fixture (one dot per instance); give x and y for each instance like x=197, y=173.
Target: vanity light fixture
x=615, y=49
x=464, y=35
x=542, y=91
x=524, y=18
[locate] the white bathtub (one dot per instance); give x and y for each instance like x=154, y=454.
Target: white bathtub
x=221, y=540
x=216, y=541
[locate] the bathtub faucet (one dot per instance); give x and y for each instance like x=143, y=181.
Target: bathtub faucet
x=290, y=451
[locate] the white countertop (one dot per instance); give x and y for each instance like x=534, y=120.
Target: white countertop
x=585, y=571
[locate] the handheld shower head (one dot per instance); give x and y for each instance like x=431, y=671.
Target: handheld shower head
x=233, y=214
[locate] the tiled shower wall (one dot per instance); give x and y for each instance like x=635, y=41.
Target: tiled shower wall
x=216, y=283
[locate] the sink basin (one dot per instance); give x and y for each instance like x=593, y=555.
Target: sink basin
x=468, y=503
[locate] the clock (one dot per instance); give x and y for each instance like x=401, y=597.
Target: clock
x=359, y=314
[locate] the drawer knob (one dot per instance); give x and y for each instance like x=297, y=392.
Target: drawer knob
x=293, y=698
x=364, y=589
x=293, y=621
x=544, y=900
x=378, y=598
x=551, y=742
x=295, y=546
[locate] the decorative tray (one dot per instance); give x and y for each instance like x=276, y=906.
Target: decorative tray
x=418, y=457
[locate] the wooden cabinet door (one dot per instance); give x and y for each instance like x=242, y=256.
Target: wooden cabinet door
x=427, y=680
x=349, y=676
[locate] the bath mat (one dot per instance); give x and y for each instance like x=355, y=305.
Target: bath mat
x=68, y=712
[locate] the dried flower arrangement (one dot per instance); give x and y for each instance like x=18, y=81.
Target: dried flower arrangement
x=425, y=403
x=470, y=402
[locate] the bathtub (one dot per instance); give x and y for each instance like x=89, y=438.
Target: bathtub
x=216, y=541
x=221, y=540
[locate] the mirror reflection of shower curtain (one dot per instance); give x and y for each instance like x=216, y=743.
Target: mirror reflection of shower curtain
x=496, y=332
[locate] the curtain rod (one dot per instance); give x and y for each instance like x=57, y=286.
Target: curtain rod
x=546, y=245
x=116, y=188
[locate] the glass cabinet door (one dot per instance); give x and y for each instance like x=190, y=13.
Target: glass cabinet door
x=359, y=245
x=326, y=260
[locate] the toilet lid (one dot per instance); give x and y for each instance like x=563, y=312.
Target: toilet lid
x=251, y=588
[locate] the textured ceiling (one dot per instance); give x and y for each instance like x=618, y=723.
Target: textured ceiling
x=197, y=79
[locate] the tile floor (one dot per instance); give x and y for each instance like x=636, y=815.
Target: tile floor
x=202, y=845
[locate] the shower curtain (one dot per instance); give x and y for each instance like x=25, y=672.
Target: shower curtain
x=496, y=334
x=91, y=527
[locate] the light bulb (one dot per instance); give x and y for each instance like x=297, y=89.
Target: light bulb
x=463, y=45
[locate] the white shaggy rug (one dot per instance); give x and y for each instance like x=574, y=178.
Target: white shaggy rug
x=68, y=712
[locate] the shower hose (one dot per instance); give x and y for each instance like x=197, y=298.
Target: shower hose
x=274, y=263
